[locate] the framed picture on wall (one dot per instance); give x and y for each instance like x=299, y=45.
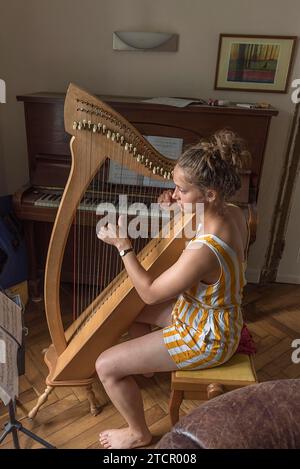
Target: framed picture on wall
x=254, y=63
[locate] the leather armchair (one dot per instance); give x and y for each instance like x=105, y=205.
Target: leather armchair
x=265, y=415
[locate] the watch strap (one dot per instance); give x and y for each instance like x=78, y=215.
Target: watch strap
x=123, y=252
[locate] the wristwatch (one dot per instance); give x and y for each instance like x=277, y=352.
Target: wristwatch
x=123, y=252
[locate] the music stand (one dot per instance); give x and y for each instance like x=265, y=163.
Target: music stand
x=13, y=426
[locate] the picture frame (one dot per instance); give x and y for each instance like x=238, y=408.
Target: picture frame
x=254, y=63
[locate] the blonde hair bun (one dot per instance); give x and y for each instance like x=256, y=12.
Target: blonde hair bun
x=216, y=162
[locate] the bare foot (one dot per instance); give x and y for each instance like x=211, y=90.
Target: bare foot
x=123, y=438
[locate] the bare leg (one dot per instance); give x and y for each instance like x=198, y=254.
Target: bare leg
x=158, y=315
x=137, y=329
x=155, y=315
x=114, y=367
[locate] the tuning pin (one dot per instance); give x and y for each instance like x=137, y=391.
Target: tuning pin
x=79, y=126
x=89, y=125
x=122, y=140
x=104, y=129
x=146, y=162
x=126, y=146
x=99, y=126
x=117, y=136
x=142, y=159
x=74, y=125
x=108, y=135
x=154, y=170
x=134, y=151
x=113, y=137
x=130, y=147
x=94, y=128
x=169, y=175
x=83, y=123
x=139, y=157
x=150, y=164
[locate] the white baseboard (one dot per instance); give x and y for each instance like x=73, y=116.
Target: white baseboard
x=288, y=279
x=253, y=275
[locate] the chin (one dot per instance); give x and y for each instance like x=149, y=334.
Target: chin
x=187, y=209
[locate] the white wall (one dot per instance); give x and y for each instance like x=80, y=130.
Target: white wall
x=45, y=44
x=289, y=267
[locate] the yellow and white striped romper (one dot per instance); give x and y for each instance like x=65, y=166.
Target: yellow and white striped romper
x=207, y=319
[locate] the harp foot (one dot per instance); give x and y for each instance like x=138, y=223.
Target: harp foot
x=41, y=400
x=95, y=407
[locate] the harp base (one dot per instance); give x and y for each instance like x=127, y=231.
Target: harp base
x=50, y=359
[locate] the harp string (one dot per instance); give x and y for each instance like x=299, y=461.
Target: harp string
x=100, y=184
x=87, y=257
x=84, y=269
x=114, y=199
x=78, y=249
x=90, y=231
x=97, y=259
x=137, y=195
x=106, y=246
x=103, y=252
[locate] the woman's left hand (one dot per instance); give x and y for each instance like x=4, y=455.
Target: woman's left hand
x=115, y=235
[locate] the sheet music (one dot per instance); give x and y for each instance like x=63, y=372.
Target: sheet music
x=11, y=321
x=121, y=175
x=167, y=146
x=176, y=102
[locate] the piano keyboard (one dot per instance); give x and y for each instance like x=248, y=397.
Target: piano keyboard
x=90, y=204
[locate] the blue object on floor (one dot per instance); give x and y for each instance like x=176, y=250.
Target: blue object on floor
x=13, y=255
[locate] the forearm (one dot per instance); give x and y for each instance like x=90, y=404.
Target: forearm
x=140, y=278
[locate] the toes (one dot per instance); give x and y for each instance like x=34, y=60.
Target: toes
x=104, y=439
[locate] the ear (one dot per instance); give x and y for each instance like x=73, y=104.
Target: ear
x=211, y=195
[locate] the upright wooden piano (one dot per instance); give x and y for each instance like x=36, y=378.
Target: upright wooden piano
x=49, y=157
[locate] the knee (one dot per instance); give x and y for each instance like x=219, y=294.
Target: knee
x=104, y=366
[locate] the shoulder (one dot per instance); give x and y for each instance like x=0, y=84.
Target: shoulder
x=232, y=229
x=237, y=215
x=198, y=251
x=239, y=218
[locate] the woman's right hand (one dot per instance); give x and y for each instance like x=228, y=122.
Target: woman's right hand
x=165, y=199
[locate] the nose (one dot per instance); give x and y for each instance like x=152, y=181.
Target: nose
x=175, y=194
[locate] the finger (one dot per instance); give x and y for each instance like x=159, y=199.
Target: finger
x=121, y=221
x=122, y=226
x=166, y=201
x=101, y=233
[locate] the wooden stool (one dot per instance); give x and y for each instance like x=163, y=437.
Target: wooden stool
x=205, y=384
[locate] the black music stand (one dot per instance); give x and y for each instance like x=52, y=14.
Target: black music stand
x=13, y=426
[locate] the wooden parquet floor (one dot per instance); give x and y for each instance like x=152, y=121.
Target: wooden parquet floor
x=272, y=313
